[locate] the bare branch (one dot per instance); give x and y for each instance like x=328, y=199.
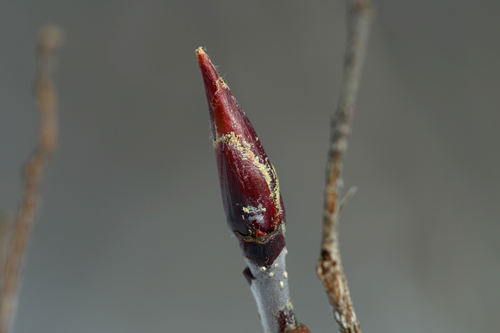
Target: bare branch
x=329, y=267
x=49, y=41
x=5, y=235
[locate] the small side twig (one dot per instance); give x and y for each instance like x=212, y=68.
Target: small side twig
x=48, y=43
x=329, y=267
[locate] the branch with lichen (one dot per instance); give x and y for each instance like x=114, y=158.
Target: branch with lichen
x=48, y=43
x=329, y=267
x=252, y=203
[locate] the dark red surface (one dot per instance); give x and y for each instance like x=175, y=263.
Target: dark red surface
x=262, y=253
x=286, y=320
x=249, y=186
x=248, y=275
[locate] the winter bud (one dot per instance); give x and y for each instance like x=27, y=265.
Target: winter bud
x=249, y=184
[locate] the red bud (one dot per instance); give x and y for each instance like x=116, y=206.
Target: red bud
x=249, y=184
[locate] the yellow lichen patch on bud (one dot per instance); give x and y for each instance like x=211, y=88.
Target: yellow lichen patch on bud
x=222, y=83
x=254, y=210
x=269, y=173
x=276, y=190
x=200, y=50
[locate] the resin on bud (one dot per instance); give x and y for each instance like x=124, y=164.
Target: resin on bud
x=249, y=184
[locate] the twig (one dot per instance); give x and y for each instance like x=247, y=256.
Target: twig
x=49, y=41
x=5, y=233
x=329, y=267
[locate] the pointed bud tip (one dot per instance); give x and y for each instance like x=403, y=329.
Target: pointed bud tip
x=206, y=66
x=200, y=54
x=210, y=78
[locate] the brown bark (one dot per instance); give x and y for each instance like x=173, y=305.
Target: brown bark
x=329, y=267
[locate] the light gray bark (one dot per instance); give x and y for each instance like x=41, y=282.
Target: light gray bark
x=270, y=290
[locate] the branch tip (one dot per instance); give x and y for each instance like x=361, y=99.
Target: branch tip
x=50, y=38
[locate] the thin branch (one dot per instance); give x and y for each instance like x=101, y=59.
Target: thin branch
x=5, y=235
x=329, y=267
x=49, y=41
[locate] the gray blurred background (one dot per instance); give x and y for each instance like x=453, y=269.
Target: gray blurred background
x=132, y=236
